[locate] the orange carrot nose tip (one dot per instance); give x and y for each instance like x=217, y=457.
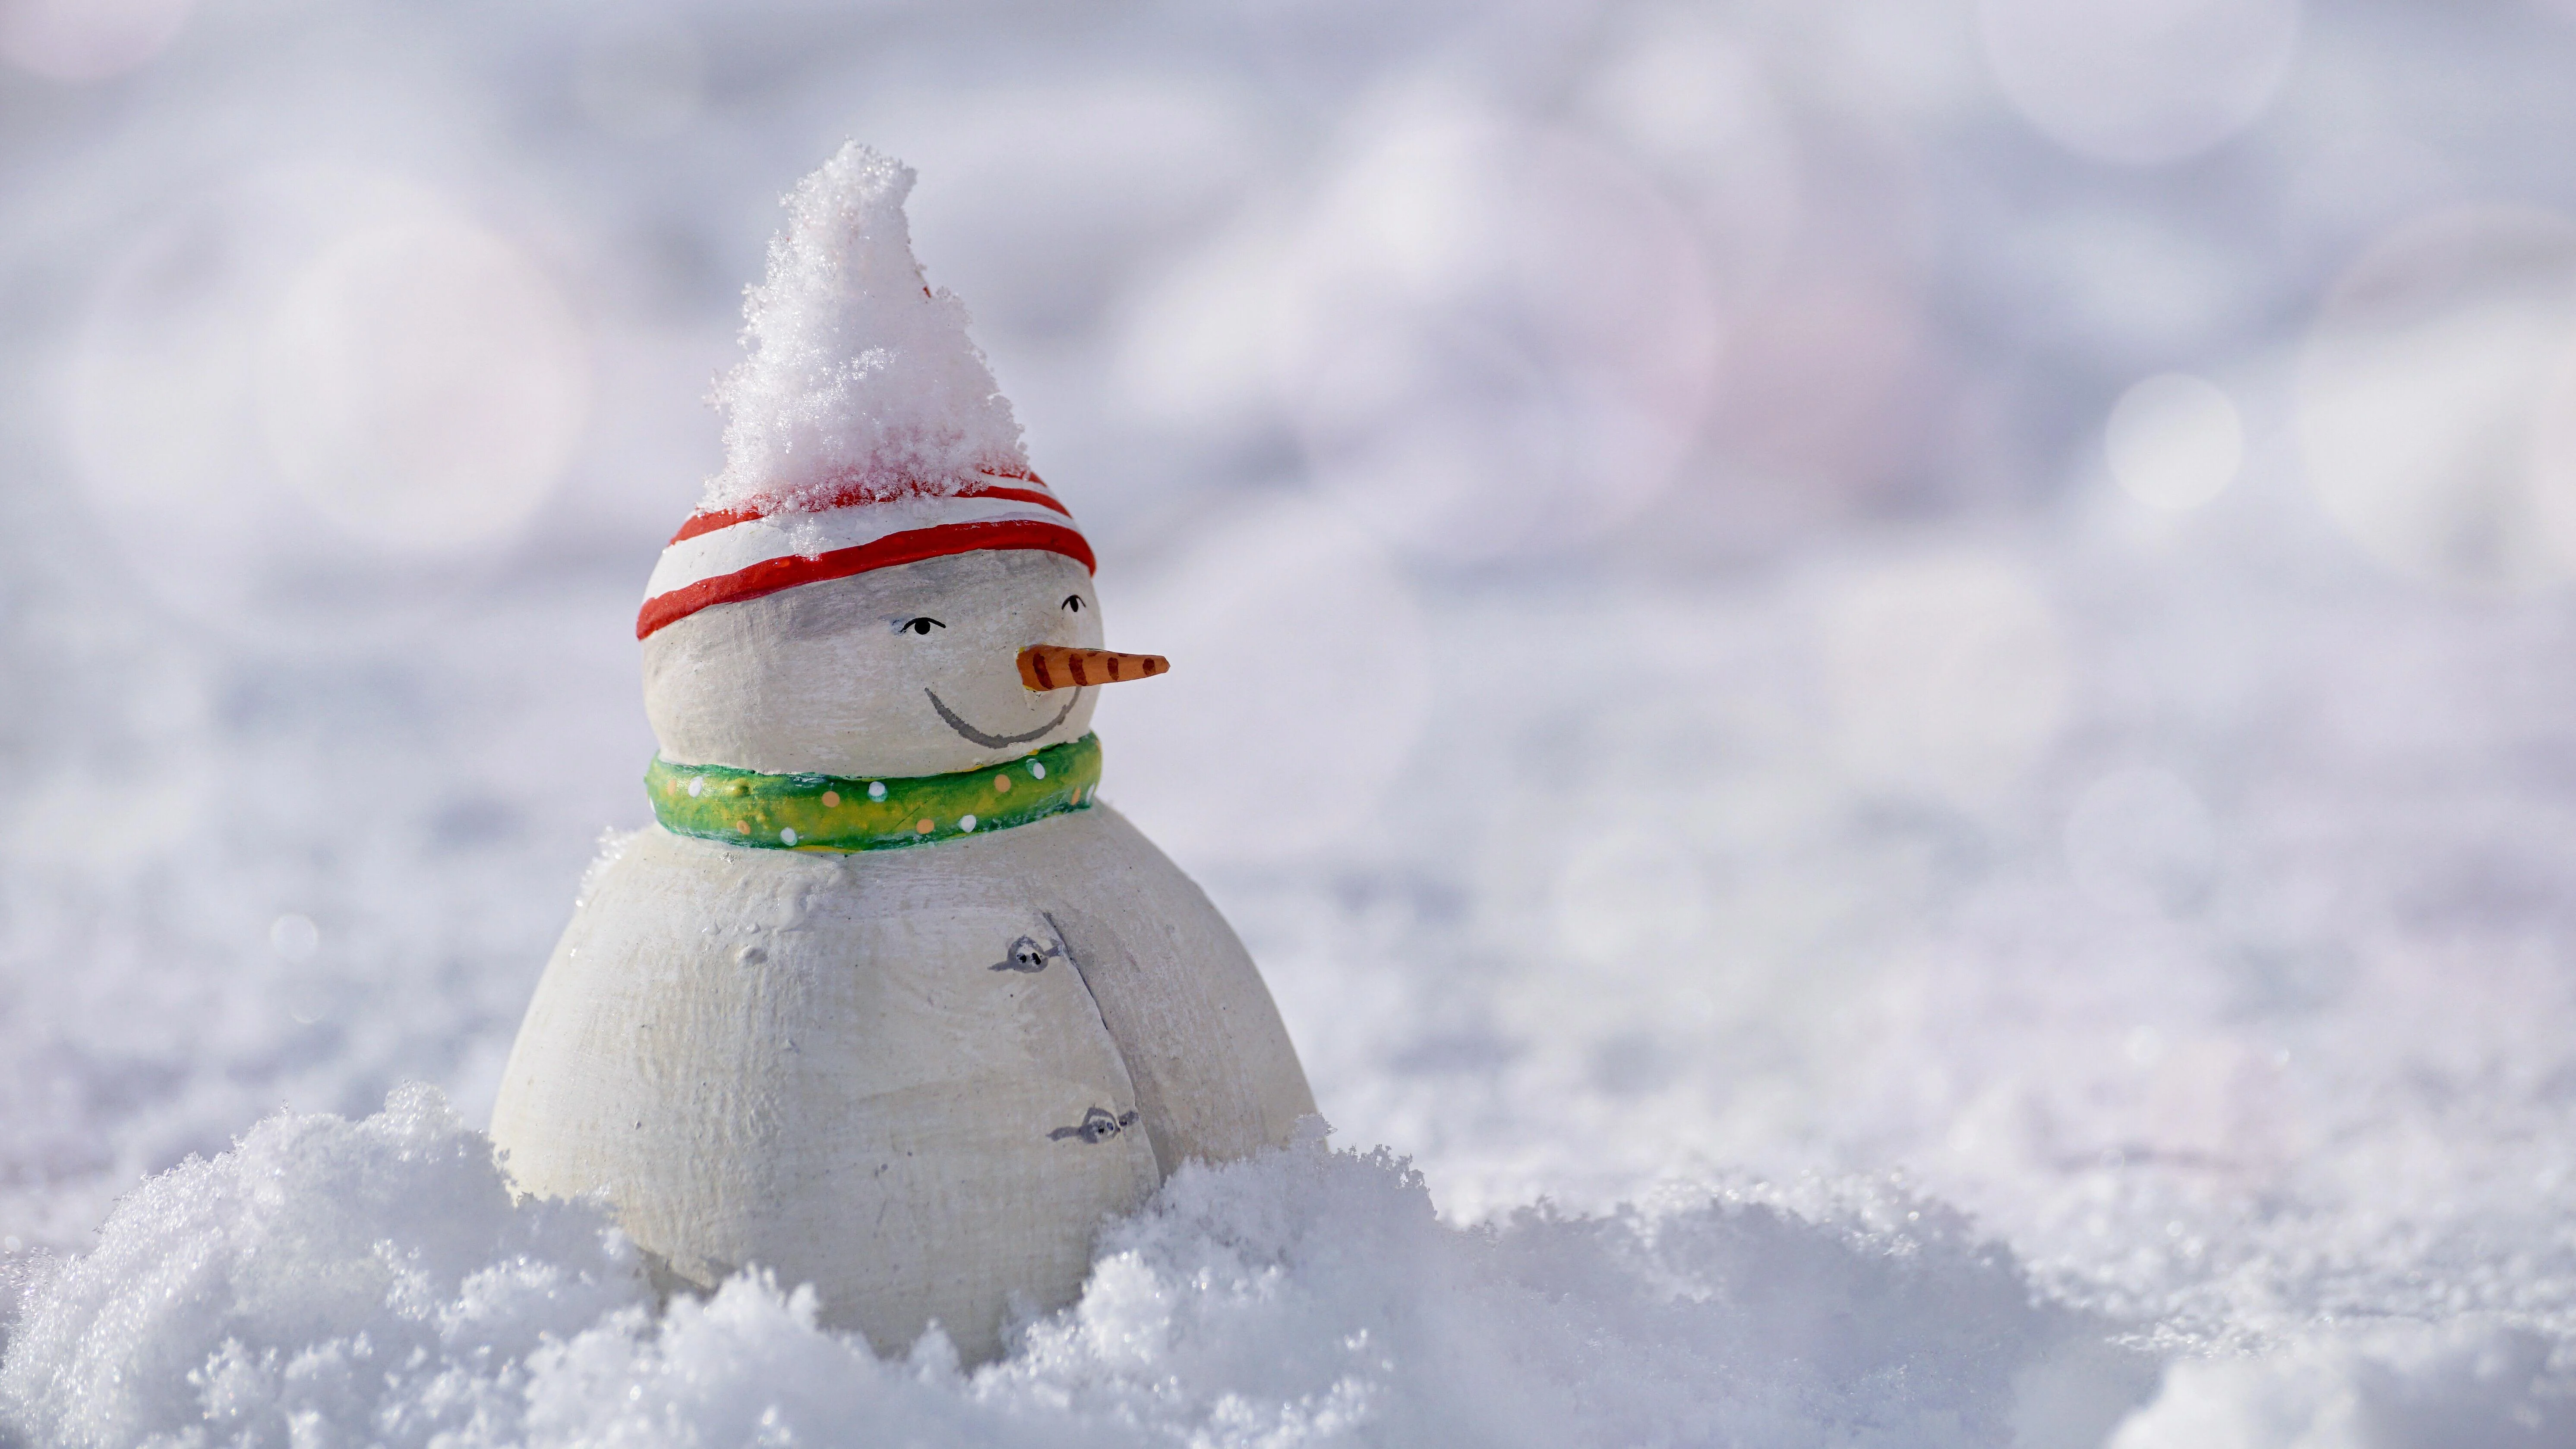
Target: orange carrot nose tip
x=1053, y=666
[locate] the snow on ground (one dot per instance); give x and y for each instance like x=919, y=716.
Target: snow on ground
x=1858, y=914
x=329, y=1280
x=1870, y=1111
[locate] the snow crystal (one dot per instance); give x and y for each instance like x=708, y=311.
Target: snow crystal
x=861, y=379
x=612, y=846
x=374, y=1279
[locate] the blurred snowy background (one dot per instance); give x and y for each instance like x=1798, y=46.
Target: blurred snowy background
x=1882, y=610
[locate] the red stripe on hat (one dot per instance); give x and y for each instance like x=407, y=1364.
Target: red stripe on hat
x=854, y=497
x=1024, y=495
x=771, y=575
x=699, y=523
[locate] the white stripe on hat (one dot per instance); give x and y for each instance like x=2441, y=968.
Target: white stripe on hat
x=804, y=535
x=724, y=557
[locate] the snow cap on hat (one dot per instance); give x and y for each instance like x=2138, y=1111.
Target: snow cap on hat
x=864, y=429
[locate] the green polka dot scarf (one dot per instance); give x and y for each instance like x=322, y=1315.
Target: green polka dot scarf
x=844, y=813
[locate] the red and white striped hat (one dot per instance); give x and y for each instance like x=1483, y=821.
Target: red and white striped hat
x=743, y=553
x=863, y=428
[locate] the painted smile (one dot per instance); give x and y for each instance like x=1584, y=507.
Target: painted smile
x=999, y=742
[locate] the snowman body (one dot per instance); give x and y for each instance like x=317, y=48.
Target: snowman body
x=918, y=1077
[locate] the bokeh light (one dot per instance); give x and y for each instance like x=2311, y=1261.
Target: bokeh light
x=294, y=937
x=423, y=386
x=314, y=375
x=2433, y=394
x=2174, y=441
x=1693, y=98
x=1501, y=338
x=2139, y=81
x=87, y=40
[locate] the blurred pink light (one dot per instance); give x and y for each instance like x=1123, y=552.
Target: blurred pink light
x=316, y=374
x=1507, y=337
x=87, y=40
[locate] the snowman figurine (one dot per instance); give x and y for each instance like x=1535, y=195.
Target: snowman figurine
x=887, y=1001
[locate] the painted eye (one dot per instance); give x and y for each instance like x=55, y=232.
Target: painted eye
x=921, y=625
x=1073, y=602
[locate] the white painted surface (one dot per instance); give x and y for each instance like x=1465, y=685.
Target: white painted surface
x=919, y=1079
x=811, y=1062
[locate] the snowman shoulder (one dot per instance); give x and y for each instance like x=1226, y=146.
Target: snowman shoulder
x=1215, y=1072
x=1102, y=850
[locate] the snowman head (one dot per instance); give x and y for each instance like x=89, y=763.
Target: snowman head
x=907, y=669
x=860, y=588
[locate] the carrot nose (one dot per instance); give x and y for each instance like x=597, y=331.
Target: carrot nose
x=1052, y=666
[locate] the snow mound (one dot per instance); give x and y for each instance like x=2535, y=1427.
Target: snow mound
x=1315, y=1297
x=371, y=1280
x=861, y=381
x=2477, y=1383
x=329, y=1281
